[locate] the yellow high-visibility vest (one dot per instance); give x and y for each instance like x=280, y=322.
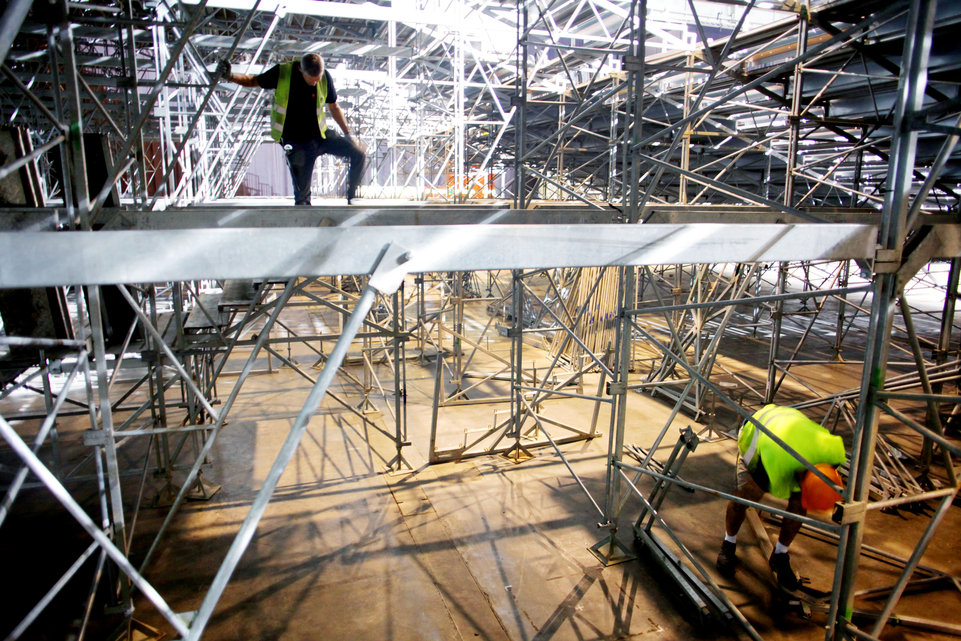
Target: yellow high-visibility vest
x=278, y=114
x=807, y=438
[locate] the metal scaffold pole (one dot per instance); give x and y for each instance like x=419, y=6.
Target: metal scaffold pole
x=610, y=549
x=886, y=291
x=759, y=153
x=399, y=354
x=519, y=105
x=518, y=413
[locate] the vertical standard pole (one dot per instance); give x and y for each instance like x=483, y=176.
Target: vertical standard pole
x=613, y=154
x=392, y=111
x=435, y=407
x=80, y=197
x=699, y=291
x=48, y=407
x=132, y=106
x=770, y=390
x=400, y=376
x=518, y=407
x=158, y=387
x=607, y=549
x=686, y=134
x=519, y=102
x=917, y=43
x=634, y=113
x=839, y=327
x=75, y=156
x=461, y=186
x=561, y=119
x=457, y=344
x=797, y=90
x=421, y=317
x=106, y=426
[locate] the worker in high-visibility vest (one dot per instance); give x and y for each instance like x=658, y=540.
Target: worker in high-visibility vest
x=763, y=465
x=302, y=90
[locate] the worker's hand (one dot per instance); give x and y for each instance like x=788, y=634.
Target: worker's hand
x=359, y=144
x=223, y=70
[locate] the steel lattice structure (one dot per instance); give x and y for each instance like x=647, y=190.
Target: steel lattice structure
x=788, y=172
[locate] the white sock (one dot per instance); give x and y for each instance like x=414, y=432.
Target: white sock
x=780, y=548
x=729, y=538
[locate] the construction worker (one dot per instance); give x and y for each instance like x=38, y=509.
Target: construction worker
x=765, y=466
x=301, y=90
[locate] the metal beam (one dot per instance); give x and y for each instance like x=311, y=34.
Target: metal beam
x=284, y=215
x=39, y=259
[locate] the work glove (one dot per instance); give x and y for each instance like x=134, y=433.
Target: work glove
x=223, y=70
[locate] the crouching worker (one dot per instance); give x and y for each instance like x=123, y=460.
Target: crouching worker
x=764, y=466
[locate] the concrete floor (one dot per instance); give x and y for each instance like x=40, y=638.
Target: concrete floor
x=484, y=548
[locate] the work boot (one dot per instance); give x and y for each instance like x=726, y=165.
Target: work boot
x=727, y=559
x=781, y=566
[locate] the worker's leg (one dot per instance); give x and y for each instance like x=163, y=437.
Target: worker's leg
x=747, y=488
x=790, y=527
x=736, y=512
x=343, y=147
x=300, y=161
x=780, y=560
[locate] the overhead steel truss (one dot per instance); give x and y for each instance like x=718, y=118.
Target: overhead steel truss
x=816, y=154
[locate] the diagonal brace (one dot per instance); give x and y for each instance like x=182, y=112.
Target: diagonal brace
x=387, y=276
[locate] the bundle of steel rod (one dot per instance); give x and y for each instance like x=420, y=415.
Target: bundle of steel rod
x=592, y=302
x=891, y=477
x=946, y=373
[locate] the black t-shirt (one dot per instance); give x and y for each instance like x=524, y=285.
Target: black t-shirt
x=300, y=125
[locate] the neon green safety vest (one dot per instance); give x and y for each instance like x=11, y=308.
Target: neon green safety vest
x=279, y=112
x=806, y=437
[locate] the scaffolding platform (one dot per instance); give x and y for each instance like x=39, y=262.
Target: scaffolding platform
x=237, y=293
x=206, y=313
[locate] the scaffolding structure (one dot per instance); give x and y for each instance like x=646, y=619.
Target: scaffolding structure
x=643, y=185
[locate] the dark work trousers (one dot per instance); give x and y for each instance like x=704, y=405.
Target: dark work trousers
x=301, y=158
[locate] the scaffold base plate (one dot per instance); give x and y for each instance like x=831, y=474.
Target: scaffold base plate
x=610, y=551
